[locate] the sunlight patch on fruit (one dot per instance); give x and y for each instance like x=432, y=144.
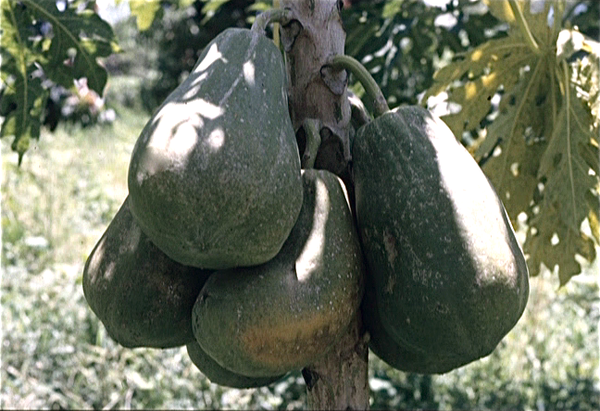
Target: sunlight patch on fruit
x=131, y=242
x=211, y=57
x=185, y=137
x=248, y=70
x=216, y=139
x=96, y=261
x=167, y=141
x=312, y=253
x=487, y=236
x=194, y=88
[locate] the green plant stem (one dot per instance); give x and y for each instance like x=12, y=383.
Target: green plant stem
x=371, y=87
x=270, y=16
x=524, y=27
x=312, y=129
x=276, y=38
x=559, y=12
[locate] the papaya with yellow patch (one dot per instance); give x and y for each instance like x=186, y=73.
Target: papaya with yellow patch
x=285, y=314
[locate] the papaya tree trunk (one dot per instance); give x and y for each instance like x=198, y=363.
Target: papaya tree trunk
x=316, y=91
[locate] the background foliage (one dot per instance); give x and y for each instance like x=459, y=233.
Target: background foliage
x=45, y=44
x=71, y=182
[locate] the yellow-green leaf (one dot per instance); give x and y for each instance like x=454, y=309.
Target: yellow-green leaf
x=567, y=171
x=482, y=71
x=536, y=15
x=541, y=149
x=514, y=165
x=500, y=9
x=144, y=12
x=541, y=247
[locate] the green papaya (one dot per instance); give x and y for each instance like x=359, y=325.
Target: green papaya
x=214, y=177
x=448, y=277
x=222, y=376
x=143, y=298
x=283, y=315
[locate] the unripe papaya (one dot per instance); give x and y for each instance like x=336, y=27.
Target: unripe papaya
x=222, y=376
x=143, y=298
x=285, y=314
x=214, y=177
x=449, y=278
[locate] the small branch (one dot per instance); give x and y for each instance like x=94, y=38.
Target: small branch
x=270, y=16
x=368, y=82
x=524, y=27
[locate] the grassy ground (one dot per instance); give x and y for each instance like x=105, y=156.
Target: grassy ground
x=55, y=353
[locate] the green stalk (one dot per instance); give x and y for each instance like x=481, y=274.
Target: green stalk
x=524, y=27
x=567, y=101
x=312, y=133
x=270, y=16
x=371, y=87
x=276, y=39
x=559, y=12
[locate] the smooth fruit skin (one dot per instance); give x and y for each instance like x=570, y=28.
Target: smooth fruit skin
x=221, y=376
x=143, y=298
x=448, y=276
x=214, y=177
x=286, y=314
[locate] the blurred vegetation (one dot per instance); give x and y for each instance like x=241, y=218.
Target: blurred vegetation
x=56, y=354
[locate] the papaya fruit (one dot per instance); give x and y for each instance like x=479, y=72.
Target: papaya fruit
x=222, y=376
x=143, y=298
x=448, y=277
x=214, y=177
x=285, y=314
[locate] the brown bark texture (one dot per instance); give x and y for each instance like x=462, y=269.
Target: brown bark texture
x=310, y=38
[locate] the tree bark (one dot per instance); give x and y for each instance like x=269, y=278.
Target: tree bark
x=315, y=91
x=314, y=34
x=340, y=381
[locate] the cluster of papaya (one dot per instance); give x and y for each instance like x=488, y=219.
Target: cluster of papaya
x=257, y=263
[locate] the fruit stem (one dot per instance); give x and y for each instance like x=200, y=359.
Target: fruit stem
x=270, y=16
x=371, y=87
x=312, y=132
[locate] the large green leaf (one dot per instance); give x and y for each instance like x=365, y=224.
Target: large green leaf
x=541, y=149
x=21, y=108
x=22, y=92
x=514, y=164
x=43, y=44
x=79, y=38
x=569, y=172
x=483, y=71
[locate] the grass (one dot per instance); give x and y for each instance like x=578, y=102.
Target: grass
x=56, y=354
